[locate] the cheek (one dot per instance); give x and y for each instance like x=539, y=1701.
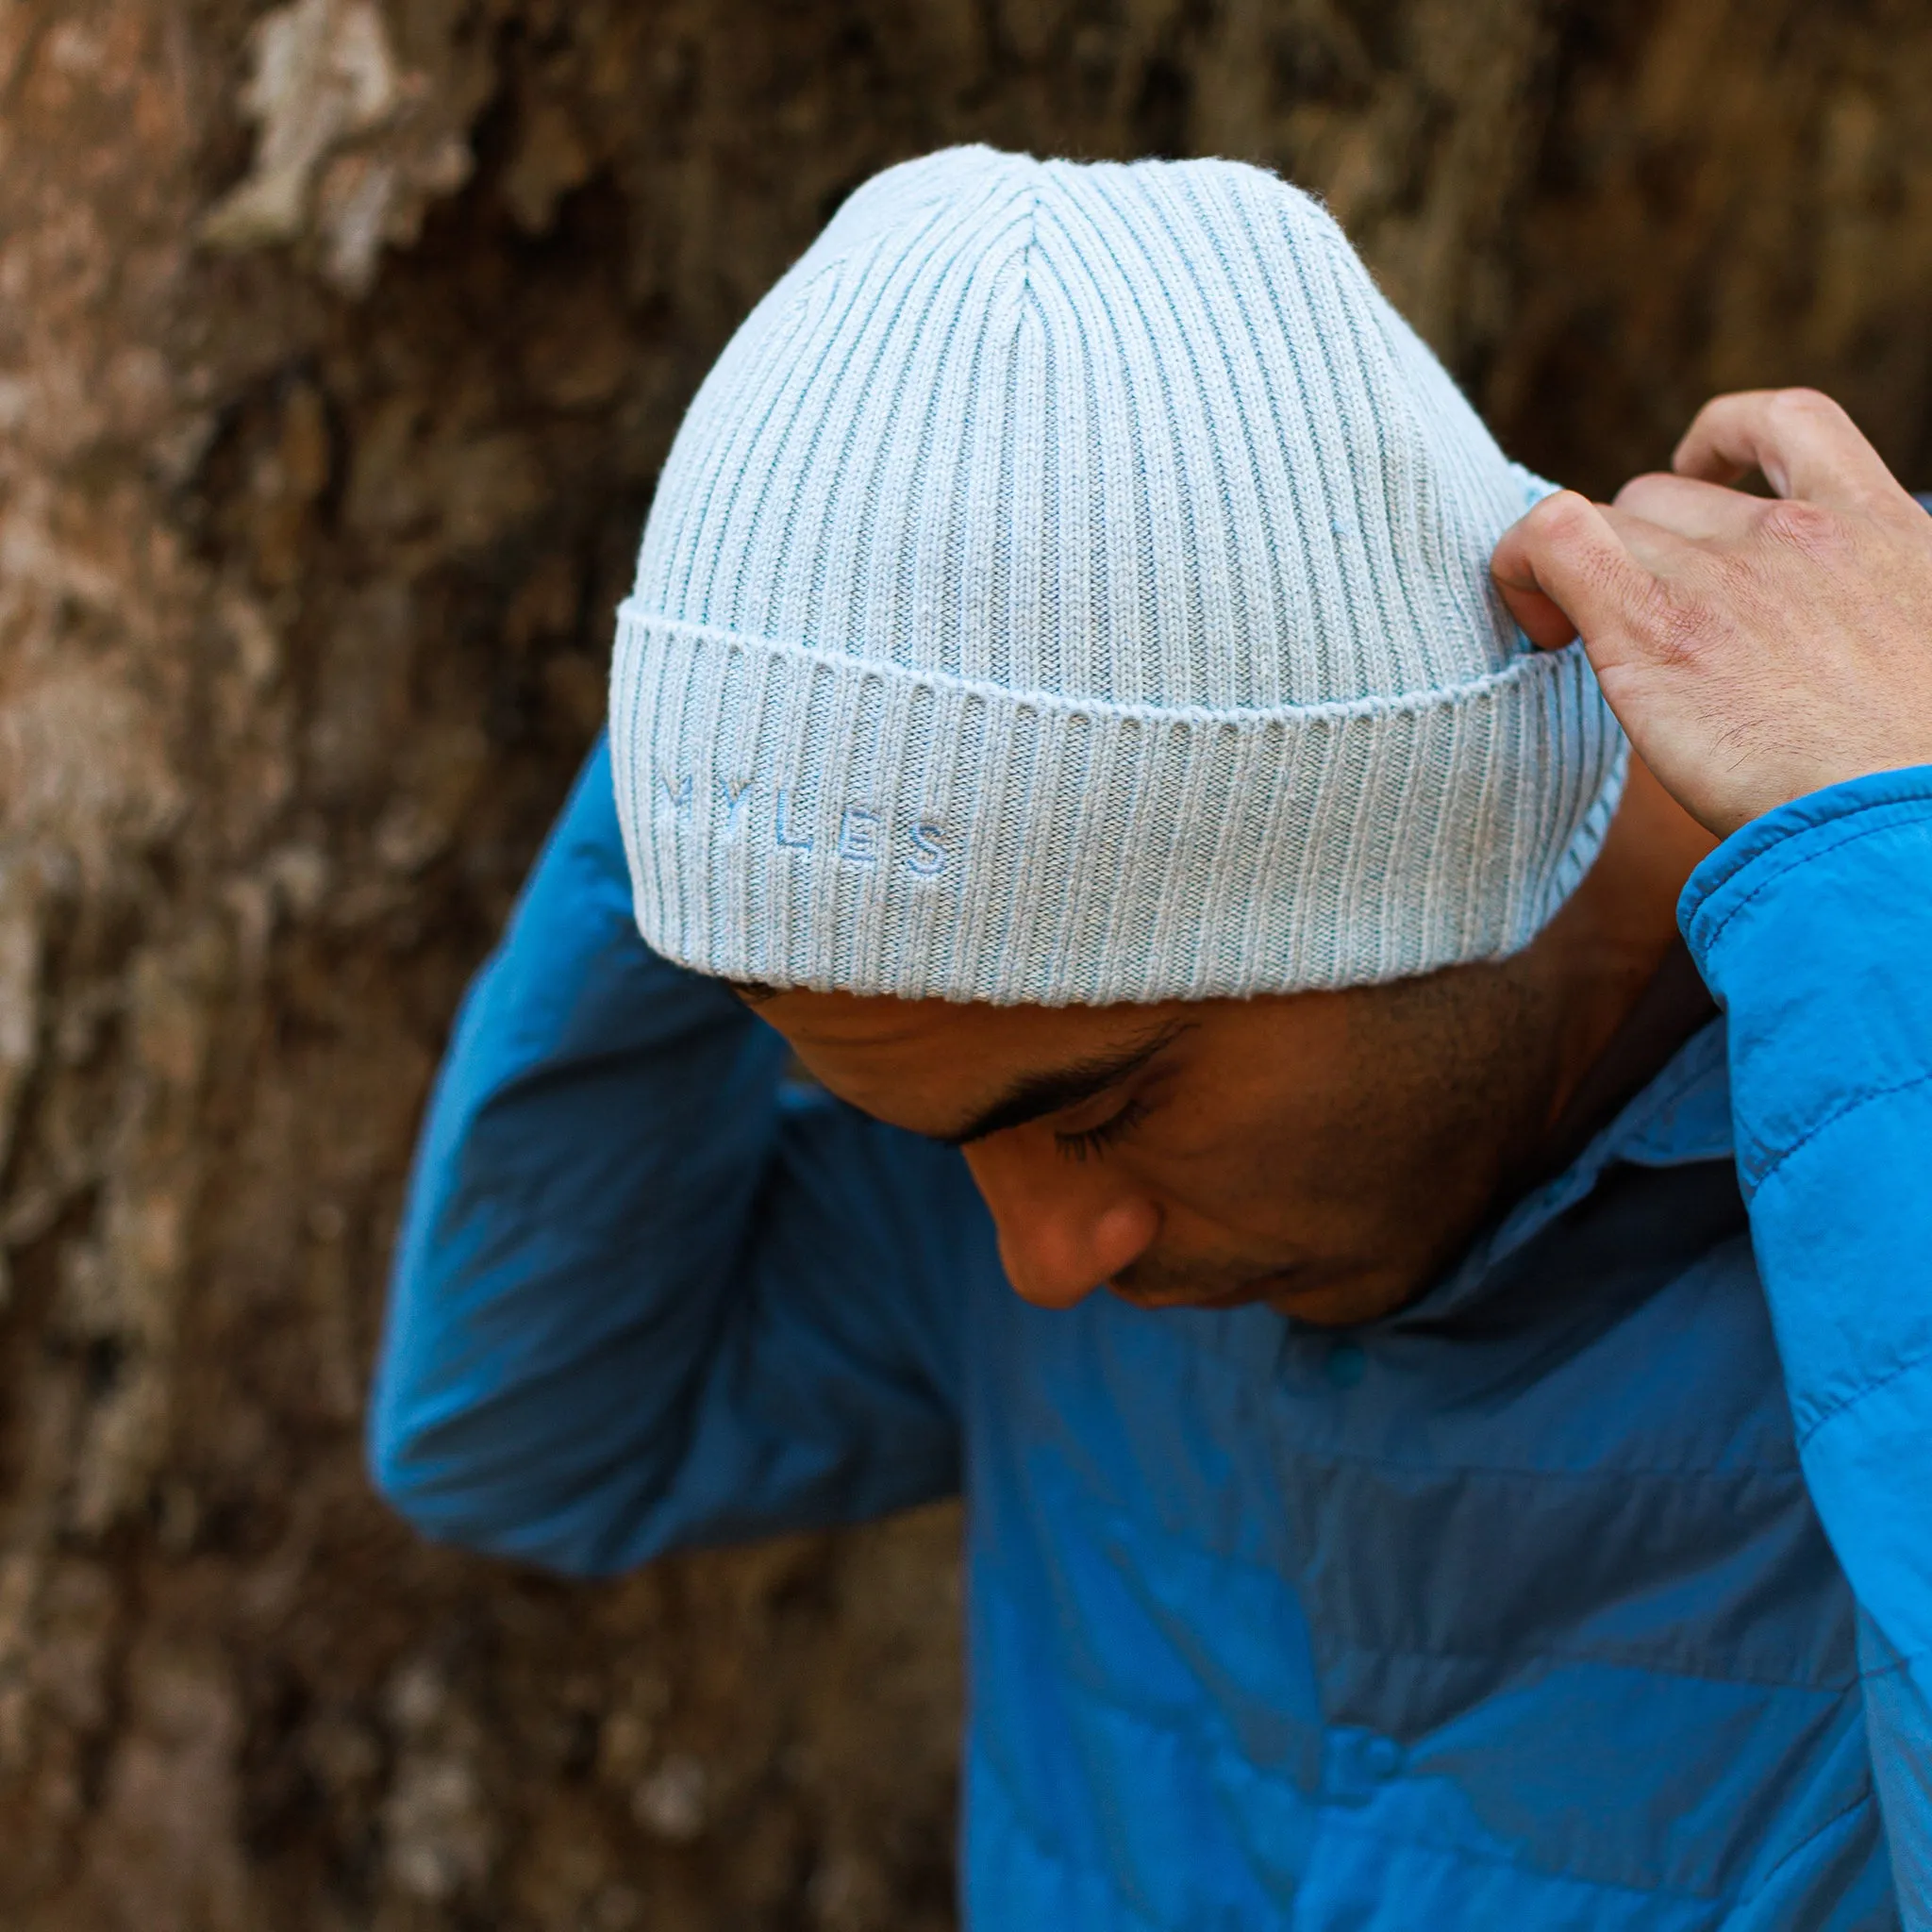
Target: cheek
x=1254, y=1167
x=1228, y=1168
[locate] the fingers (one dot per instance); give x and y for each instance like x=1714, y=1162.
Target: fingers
x=1703, y=512
x=1539, y=616
x=1563, y=569
x=1663, y=552
x=1804, y=443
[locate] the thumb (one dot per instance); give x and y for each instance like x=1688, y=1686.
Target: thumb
x=1562, y=570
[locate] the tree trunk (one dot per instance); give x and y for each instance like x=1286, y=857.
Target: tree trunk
x=340, y=343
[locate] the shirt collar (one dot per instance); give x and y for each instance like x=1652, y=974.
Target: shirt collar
x=1684, y=1115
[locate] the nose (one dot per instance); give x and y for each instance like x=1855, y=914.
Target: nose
x=1063, y=1231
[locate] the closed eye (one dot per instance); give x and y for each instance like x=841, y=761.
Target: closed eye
x=1090, y=1143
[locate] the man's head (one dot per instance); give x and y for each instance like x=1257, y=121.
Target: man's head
x=1323, y=1152
x=1326, y=1153
x=1064, y=632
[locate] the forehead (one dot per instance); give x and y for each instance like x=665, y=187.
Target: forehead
x=860, y=1029
x=929, y=1063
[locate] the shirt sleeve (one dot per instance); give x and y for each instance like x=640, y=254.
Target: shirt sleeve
x=1814, y=926
x=646, y=1293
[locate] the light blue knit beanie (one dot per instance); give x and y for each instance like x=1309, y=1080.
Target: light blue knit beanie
x=1071, y=585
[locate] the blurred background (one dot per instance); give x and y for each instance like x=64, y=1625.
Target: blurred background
x=340, y=343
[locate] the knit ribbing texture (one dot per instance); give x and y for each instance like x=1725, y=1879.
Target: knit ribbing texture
x=1071, y=586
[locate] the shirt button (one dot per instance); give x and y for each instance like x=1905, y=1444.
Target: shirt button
x=1346, y=1364
x=1383, y=1757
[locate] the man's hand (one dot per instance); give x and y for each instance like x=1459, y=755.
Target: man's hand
x=1754, y=650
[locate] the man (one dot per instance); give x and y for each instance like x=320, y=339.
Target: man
x=1066, y=699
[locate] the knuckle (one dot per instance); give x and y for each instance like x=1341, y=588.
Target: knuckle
x=1678, y=631
x=1807, y=405
x=1647, y=489
x=1795, y=524
x=1554, y=514
x=1564, y=526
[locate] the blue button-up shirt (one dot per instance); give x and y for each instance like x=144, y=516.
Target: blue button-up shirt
x=1593, y=1590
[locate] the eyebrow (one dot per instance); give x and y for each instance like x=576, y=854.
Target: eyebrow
x=1036, y=1094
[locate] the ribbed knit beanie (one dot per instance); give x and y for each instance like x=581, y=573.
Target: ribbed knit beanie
x=1071, y=586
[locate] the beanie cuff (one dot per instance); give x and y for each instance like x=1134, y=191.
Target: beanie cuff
x=797, y=817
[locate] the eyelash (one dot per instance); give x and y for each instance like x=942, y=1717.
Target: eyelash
x=1094, y=1141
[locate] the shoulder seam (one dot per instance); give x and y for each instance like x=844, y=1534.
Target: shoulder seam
x=1916, y=1361
x=1857, y=1103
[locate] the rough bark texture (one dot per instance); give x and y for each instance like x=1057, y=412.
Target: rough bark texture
x=339, y=345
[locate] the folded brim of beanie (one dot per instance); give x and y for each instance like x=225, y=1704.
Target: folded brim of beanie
x=797, y=818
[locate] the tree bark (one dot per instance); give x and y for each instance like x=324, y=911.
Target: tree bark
x=340, y=343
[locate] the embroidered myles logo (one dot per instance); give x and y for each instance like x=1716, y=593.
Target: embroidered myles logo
x=862, y=834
